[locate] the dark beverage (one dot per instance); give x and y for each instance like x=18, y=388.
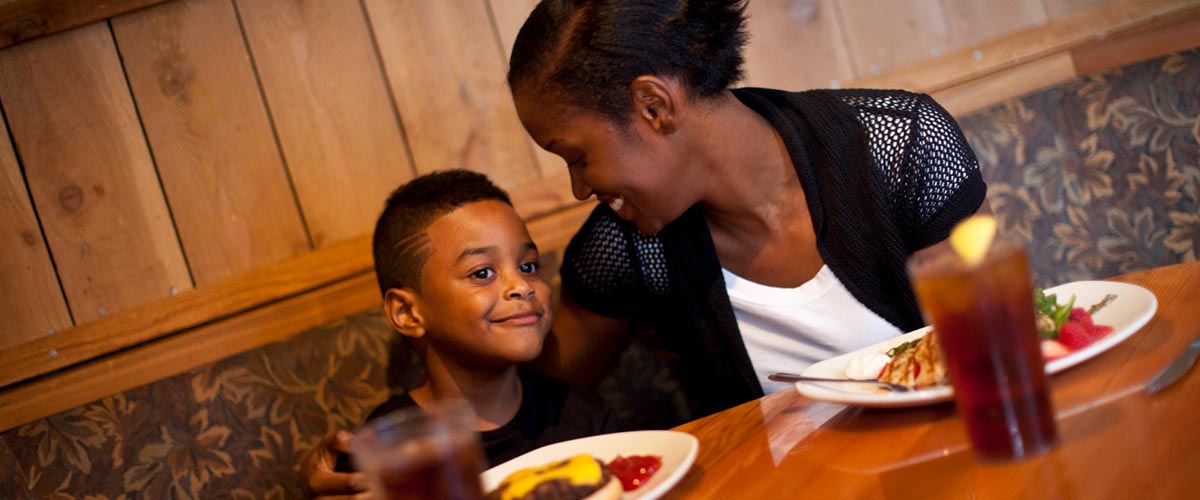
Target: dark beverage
x=451, y=474
x=985, y=318
x=430, y=454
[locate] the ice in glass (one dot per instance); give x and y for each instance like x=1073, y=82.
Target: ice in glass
x=984, y=314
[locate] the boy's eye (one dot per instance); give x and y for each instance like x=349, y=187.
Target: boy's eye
x=483, y=274
x=529, y=267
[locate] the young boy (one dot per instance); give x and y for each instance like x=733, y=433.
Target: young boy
x=460, y=280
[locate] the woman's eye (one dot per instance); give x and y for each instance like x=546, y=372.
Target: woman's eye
x=483, y=274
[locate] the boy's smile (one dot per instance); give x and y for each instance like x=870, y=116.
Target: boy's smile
x=482, y=300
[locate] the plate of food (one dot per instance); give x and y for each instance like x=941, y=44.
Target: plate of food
x=623, y=465
x=1115, y=311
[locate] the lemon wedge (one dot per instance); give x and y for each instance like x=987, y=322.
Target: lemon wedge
x=972, y=237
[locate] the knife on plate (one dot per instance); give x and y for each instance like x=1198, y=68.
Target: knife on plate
x=1176, y=368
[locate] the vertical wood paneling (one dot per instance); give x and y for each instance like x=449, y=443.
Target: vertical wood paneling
x=882, y=35
x=446, y=70
x=211, y=138
x=90, y=173
x=33, y=303
x=795, y=45
x=335, y=121
x=973, y=21
x=509, y=16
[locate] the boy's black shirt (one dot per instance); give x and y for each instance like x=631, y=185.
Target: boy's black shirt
x=551, y=411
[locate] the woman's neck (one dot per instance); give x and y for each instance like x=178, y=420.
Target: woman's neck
x=756, y=208
x=494, y=395
x=752, y=181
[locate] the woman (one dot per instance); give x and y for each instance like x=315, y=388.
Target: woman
x=756, y=230
x=772, y=228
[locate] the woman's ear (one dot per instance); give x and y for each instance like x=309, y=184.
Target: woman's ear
x=655, y=102
x=400, y=308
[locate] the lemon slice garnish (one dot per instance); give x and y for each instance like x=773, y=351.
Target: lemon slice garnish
x=972, y=237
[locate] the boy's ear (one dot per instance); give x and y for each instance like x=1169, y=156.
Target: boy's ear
x=400, y=308
x=656, y=102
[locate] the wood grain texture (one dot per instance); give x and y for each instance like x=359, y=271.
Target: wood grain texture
x=1058, y=35
x=883, y=35
x=89, y=172
x=1063, y=8
x=509, y=16
x=1178, y=32
x=1007, y=84
x=187, y=310
x=787, y=446
x=795, y=45
x=189, y=350
x=24, y=20
x=330, y=103
x=446, y=70
x=33, y=304
x=973, y=21
x=204, y=117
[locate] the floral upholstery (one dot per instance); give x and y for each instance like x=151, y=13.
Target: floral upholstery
x=1101, y=175
x=233, y=429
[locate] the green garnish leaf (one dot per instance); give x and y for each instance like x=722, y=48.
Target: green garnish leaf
x=902, y=347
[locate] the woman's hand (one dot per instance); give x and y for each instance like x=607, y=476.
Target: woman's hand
x=317, y=469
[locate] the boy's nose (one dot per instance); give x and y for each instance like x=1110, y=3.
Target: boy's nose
x=520, y=288
x=579, y=188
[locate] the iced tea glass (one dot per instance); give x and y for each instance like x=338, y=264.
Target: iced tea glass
x=415, y=453
x=984, y=315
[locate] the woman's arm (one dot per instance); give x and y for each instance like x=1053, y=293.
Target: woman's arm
x=581, y=343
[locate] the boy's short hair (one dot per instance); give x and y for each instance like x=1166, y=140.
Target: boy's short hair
x=398, y=245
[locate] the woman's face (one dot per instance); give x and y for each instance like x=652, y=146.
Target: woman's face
x=635, y=169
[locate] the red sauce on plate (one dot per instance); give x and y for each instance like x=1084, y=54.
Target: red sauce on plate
x=634, y=470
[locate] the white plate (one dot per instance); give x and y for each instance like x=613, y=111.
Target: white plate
x=677, y=449
x=1133, y=307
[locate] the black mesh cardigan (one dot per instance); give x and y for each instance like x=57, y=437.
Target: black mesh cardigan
x=885, y=173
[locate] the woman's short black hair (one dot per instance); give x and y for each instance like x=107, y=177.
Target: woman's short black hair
x=411, y=208
x=586, y=53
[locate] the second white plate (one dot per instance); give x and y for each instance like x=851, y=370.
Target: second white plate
x=1131, y=310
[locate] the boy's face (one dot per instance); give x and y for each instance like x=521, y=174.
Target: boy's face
x=482, y=301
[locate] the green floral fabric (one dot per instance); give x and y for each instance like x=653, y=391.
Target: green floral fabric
x=1099, y=175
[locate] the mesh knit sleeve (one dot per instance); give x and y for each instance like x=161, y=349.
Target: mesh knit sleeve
x=931, y=172
x=612, y=269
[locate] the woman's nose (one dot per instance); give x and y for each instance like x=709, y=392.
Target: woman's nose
x=580, y=189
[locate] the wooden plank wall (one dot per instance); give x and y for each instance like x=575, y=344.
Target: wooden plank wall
x=174, y=169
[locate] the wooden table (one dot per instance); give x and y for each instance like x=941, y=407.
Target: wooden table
x=1115, y=440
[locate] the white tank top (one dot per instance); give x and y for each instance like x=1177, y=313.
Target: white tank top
x=789, y=329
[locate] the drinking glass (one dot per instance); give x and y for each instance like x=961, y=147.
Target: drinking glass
x=984, y=316
x=415, y=453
